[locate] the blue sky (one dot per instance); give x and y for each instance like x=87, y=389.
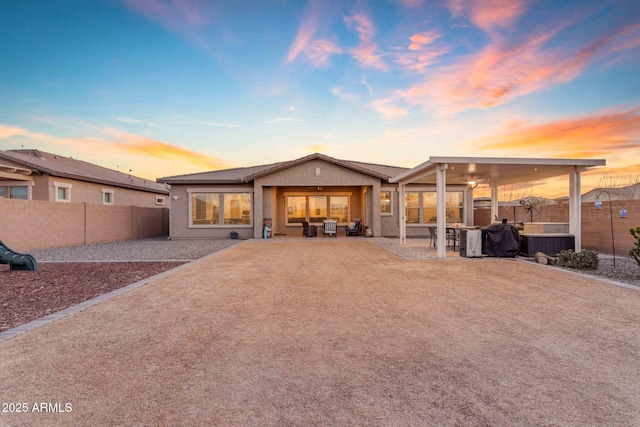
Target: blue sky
x=165, y=87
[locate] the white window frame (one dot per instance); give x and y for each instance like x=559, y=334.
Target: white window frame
x=111, y=192
x=66, y=186
x=221, y=192
x=391, y=200
x=160, y=200
x=421, y=220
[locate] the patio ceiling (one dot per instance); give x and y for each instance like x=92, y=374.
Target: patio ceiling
x=494, y=171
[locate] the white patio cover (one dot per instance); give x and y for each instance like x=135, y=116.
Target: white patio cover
x=494, y=172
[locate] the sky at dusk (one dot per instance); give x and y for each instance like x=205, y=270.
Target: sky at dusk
x=167, y=87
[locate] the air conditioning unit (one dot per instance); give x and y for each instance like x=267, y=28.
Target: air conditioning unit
x=470, y=243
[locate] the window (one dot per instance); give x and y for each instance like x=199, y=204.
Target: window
x=413, y=208
x=385, y=203
x=107, y=196
x=19, y=193
x=237, y=208
x=63, y=191
x=296, y=209
x=421, y=207
x=159, y=200
x=205, y=209
x=339, y=208
x=316, y=209
x=218, y=209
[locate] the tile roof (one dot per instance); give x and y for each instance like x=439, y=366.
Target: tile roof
x=68, y=167
x=248, y=174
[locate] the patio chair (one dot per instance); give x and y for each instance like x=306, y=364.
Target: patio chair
x=309, y=230
x=330, y=228
x=433, y=236
x=453, y=236
x=353, y=229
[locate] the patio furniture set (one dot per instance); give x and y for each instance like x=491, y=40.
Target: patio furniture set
x=330, y=228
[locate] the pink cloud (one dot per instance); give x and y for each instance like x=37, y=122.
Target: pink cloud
x=489, y=14
x=306, y=30
x=421, y=53
x=420, y=40
x=320, y=51
x=175, y=15
x=501, y=72
x=186, y=18
x=366, y=52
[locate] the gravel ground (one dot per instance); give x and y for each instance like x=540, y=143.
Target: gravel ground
x=626, y=270
x=153, y=249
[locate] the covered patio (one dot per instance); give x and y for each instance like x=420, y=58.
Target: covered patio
x=491, y=172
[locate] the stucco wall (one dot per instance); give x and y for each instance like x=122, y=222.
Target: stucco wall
x=34, y=224
x=179, y=207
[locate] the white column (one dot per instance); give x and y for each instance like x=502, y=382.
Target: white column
x=468, y=207
x=401, y=215
x=575, y=208
x=494, y=203
x=441, y=212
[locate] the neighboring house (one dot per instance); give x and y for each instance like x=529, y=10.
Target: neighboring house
x=630, y=192
x=38, y=175
x=312, y=188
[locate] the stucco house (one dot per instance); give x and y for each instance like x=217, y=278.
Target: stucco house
x=318, y=187
x=311, y=188
x=31, y=174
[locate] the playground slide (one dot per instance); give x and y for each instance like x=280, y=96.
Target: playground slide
x=16, y=260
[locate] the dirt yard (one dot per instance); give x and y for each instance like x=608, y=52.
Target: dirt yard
x=29, y=295
x=310, y=333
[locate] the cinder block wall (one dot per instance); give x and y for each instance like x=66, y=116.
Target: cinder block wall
x=32, y=224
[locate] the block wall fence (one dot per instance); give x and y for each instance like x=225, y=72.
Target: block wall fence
x=27, y=225
x=596, y=224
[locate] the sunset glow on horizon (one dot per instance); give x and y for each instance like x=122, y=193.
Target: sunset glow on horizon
x=168, y=87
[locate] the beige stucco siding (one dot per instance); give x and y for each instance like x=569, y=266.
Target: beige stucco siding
x=179, y=227
x=88, y=192
x=315, y=177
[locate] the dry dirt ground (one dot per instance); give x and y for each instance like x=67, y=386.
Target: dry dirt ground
x=309, y=333
x=29, y=295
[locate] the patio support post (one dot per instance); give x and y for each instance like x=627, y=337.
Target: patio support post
x=401, y=214
x=494, y=203
x=575, y=208
x=258, y=212
x=441, y=212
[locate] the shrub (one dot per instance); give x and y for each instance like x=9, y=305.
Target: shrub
x=583, y=260
x=635, y=251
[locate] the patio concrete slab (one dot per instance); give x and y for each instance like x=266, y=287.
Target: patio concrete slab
x=343, y=333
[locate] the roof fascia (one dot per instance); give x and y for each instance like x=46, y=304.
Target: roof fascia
x=424, y=169
x=287, y=165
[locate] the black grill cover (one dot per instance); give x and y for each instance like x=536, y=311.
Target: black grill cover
x=500, y=240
